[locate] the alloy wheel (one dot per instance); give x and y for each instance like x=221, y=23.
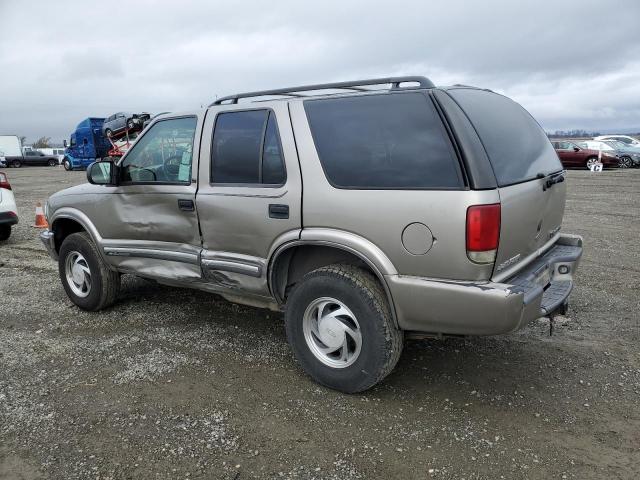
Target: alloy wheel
x=591, y=162
x=78, y=274
x=625, y=162
x=332, y=332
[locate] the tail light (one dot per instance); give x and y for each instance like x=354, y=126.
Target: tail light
x=4, y=181
x=483, y=232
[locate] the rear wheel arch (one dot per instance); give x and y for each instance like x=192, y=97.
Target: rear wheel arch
x=291, y=262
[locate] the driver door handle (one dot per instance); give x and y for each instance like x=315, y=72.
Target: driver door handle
x=186, y=205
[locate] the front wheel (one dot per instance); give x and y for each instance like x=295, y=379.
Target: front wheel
x=591, y=161
x=5, y=232
x=625, y=162
x=67, y=165
x=340, y=328
x=52, y=163
x=86, y=279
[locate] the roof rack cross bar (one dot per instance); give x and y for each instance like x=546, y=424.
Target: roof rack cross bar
x=423, y=82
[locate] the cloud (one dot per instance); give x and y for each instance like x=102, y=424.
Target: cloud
x=573, y=64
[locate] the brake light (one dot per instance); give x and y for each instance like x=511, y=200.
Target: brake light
x=483, y=232
x=4, y=181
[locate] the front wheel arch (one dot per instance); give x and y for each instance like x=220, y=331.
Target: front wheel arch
x=62, y=228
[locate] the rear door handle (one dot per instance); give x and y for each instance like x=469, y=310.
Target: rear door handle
x=278, y=210
x=186, y=205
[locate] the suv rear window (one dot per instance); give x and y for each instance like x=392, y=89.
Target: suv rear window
x=383, y=141
x=517, y=146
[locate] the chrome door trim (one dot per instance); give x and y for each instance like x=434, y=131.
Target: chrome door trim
x=171, y=256
x=233, y=262
x=233, y=266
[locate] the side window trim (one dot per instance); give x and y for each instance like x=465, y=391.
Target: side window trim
x=262, y=138
x=146, y=132
x=270, y=112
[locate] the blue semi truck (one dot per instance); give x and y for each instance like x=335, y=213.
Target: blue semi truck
x=87, y=144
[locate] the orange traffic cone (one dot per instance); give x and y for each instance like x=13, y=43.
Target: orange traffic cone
x=41, y=220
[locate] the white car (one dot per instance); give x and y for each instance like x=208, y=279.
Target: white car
x=627, y=140
x=8, y=210
x=597, y=145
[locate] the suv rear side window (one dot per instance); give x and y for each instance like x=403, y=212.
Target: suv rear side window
x=246, y=149
x=517, y=147
x=383, y=141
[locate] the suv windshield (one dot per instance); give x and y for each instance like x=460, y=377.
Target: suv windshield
x=517, y=146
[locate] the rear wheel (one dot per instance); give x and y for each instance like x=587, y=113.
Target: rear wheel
x=625, y=162
x=131, y=125
x=86, y=279
x=5, y=232
x=52, y=163
x=16, y=164
x=340, y=328
x=592, y=161
x=108, y=132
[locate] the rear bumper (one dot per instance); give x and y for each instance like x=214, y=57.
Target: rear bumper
x=46, y=237
x=490, y=308
x=8, y=218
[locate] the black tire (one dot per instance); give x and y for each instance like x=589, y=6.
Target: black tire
x=16, y=164
x=108, y=132
x=360, y=291
x=5, y=232
x=67, y=164
x=105, y=283
x=52, y=163
x=131, y=125
x=625, y=162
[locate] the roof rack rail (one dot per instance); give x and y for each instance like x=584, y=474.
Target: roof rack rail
x=395, y=82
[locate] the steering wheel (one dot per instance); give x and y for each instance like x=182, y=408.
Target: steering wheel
x=171, y=166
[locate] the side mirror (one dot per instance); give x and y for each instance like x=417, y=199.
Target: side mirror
x=102, y=173
x=64, y=142
x=576, y=149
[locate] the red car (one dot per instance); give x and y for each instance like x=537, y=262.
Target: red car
x=572, y=155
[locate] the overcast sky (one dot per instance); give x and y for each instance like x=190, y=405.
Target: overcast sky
x=572, y=64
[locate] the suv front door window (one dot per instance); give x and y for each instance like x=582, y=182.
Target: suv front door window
x=163, y=155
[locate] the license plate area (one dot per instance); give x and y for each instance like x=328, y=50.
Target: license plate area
x=542, y=277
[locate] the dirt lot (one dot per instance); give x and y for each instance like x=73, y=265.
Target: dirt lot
x=172, y=383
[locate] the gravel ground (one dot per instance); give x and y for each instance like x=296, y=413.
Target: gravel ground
x=173, y=383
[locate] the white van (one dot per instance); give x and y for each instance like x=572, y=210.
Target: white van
x=57, y=151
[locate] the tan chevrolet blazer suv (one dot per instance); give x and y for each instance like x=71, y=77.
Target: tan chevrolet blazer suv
x=365, y=211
